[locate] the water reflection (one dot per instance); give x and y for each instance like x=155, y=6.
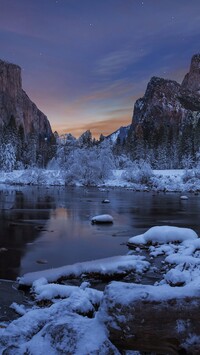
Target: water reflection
x=53, y=224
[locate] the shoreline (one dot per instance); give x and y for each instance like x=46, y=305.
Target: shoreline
x=178, y=181
x=9, y=293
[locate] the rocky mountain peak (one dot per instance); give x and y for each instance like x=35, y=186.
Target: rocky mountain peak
x=10, y=78
x=167, y=101
x=166, y=120
x=195, y=63
x=190, y=87
x=196, y=59
x=161, y=95
x=191, y=81
x=158, y=88
x=15, y=103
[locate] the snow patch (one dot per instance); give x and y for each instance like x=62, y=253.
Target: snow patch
x=108, y=266
x=103, y=218
x=163, y=234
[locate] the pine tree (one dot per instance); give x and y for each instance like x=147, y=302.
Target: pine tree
x=85, y=139
x=8, y=157
x=20, y=143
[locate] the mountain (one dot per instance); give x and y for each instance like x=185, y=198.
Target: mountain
x=119, y=135
x=14, y=102
x=190, y=88
x=26, y=137
x=66, y=138
x=166, y=120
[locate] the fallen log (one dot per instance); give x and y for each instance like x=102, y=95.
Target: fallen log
x=161, y=319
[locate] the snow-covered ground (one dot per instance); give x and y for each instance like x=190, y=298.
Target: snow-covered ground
x=73, y=320
x=167, y=180
x=33, y=177
x=164, y=180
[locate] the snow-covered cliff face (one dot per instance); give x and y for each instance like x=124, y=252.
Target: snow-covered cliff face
x=15, y=103
x=120, y=134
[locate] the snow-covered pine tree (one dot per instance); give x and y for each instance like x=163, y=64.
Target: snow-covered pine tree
x=8, y=157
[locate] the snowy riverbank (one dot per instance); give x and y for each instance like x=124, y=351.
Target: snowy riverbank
x=160, y=180
x=79, y=318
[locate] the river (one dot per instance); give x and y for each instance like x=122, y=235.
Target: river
x=43, y=227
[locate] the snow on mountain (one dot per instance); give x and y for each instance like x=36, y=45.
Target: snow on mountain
x=121, y=134
x=66, y=138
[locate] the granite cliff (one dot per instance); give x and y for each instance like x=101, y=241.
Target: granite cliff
x=190, y=87
x=14, y=102
x=166, y=120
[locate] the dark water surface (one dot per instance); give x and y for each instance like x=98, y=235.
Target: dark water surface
x=43, y=227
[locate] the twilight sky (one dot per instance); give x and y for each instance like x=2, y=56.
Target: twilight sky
x=85, y=62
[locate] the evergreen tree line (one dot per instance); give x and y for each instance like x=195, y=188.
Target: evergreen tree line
x=18, y=151
x=166, y=147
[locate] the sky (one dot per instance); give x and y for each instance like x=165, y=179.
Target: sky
x=85, y=62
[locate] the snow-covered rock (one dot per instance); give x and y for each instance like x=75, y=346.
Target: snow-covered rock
x=50, y=291
x=103, y=218
x=108, y=266
x=133, y=315
x=163, y=234
x=106, y=201
x=56, y=330
x=183, y=197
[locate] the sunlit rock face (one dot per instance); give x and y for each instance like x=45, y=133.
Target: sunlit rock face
x=14, y=102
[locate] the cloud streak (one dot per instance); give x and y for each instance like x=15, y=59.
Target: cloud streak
x=117, y=62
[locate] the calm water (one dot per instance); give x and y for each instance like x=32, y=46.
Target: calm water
x=53, y=224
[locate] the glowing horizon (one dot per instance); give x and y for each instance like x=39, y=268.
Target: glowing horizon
x=97, y=128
